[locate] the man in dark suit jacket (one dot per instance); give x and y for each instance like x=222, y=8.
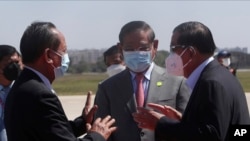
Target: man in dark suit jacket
x=217, y=101
x=33, y=112
x=116, y=96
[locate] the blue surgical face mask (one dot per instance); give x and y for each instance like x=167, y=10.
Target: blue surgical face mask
x=61, y=70
x=137, y=61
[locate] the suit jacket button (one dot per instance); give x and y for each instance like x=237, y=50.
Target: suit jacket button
x=142, y=134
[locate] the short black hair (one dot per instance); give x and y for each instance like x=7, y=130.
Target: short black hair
x=36, y=38
x=197, y=35
x=111, y=51
x=134, y=26
x=7, y=50
x=223, y=54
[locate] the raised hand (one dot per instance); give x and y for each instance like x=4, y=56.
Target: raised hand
x=89, y=110
x=102, y=126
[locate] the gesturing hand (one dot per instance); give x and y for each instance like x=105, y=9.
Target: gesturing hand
x=89, y=110
x=102, y=126
x=166, y=110
x=146, y=118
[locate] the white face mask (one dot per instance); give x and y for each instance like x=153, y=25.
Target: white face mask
x=114, y=69
x=174, y=64
x=226, y=61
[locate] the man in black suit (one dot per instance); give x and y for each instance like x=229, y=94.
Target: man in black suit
x=33, y=112
x=217, y=101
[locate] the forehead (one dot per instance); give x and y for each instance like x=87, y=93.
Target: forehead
x=114, y=56
x=8, y=59
x=62, y=47
x=174, y=38
x=139, y=36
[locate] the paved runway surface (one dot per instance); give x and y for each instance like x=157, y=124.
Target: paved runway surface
x=73, y=105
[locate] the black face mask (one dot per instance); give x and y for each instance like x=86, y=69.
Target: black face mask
x=12, y=71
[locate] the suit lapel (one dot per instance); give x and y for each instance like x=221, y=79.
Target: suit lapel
x=127, y=93
x=156, y=77
x=195, y=91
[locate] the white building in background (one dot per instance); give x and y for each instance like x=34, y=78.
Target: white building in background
x=237, y=49
x=87, y=55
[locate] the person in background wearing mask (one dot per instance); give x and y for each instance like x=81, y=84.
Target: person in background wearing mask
x=113, y=59
x=224, y=57
x=10, y=68
x=217, y=101
x=141, y=83
x=33, y=111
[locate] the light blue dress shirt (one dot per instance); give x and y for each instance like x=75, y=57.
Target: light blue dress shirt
x=44, y=79
x=3, y=95
x=146, y=80
x=193, y=78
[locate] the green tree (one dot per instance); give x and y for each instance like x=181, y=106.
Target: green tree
x=160, y=58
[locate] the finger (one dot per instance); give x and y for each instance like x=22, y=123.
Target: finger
x=110, y=122
x=142, y=125
x=142, y=110
x=91, y=114
x=88, y=126
x=106, y=119
x=89, y=99
x=137, y=116
x=112, y=129
x=98, y=120
x=156, y=106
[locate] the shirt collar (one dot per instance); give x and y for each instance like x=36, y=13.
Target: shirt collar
x=146, y=74
x=2, y=87
x=44, y=79
x=193, y=78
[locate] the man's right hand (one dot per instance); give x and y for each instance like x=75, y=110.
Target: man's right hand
x=102, y=126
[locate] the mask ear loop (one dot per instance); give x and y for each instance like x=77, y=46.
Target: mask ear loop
x=183, y=52
x=192, y=50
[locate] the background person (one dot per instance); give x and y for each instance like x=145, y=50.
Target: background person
x=113, y=59
x=217, y=101
x=10, y=68
x=224, y=57
x=119, y=95
x=33, y=111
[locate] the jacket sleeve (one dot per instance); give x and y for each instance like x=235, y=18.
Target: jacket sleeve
x=182, y=96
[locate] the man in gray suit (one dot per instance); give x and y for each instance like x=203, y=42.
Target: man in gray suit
x=117, y=96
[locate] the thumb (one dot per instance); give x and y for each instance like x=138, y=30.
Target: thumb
x=88, y=126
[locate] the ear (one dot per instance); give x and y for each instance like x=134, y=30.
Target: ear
x=155, y=47
x=192, y=51
x=47, y=56
x=120, y=48
x=155, y=44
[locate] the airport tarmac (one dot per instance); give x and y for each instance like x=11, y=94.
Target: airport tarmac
x=73, y=105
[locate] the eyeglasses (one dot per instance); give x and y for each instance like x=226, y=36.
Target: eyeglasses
x=173, y=47
x=57, y=53
x=144, y=47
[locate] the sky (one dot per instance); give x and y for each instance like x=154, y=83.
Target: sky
x=96, y=24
